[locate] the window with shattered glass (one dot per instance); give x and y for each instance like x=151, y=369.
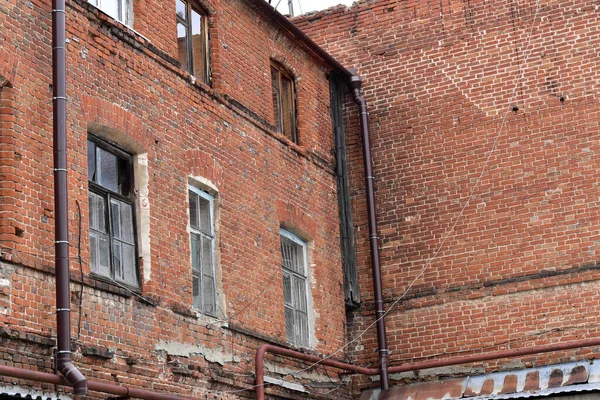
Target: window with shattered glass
x=113, y=246
x=295, y=293
x=202, y=235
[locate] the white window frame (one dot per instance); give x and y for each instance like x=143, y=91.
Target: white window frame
x=124, y=6
x=211, y=200
x=297, y=340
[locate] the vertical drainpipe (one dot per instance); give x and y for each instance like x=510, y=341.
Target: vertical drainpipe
x=356, y=85
x=61, y=230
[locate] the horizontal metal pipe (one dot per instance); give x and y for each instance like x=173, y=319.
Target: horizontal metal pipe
x=260, y=355
x=526, y=351
x=117, y=390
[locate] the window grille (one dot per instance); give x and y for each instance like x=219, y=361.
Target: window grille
x=202, y=235
x=295, y=294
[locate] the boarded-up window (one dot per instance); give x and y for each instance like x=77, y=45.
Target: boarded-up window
x=193, y=40
x=295, y=294
x=202, y=235
x=111, y=214
x=284, y=102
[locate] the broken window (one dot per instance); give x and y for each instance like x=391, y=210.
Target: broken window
x=284, y=102
x=111, y=215
x=202, y=235
x=117, y=9
x=192, y=40
x=295, y=294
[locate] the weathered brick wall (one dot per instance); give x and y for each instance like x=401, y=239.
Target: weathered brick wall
x=125, y=86
x=520, y=264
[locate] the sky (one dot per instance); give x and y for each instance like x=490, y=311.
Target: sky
x=304, y=6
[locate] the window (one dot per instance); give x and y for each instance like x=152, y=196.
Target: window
x=112, y=228
x=284, y=107
x=117, y=9
x=295, y=295
x=202, y=234
x=192, y=40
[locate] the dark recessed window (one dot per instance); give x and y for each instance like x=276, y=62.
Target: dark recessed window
x=192, y=40
x=284, y=102
x=112, y=221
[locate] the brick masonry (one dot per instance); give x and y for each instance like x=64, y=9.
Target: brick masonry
x=125, y=85
x=446, y=82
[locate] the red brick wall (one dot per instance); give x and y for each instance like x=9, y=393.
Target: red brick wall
x=124, y=85
x=441, y=80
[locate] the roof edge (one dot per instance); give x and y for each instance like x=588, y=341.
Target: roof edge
x=298, y=34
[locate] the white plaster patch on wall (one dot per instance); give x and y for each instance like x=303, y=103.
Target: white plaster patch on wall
x=216, y=355
x=278, y=369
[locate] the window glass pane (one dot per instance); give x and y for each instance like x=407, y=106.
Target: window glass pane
x=196, y=252
x=207, y=267
x=198, y=45
x=196, y=291
x=301, y=328
x=128, y=262
x=91, y=154
x=182, y=46
x=292, y=255
x=205, y=217
x=117, y=264
x=194, y=213
x=300, y=294
x=112, y=8
x=276, y=98
x=115, y=219
x=127, y=223
x=99, y=254
x=108, y=170
x=208, y=295
x=289, y=325
x=180, y=7
x=97, y=213
x=287, y=288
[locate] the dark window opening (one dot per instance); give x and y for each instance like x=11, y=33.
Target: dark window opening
x=284, y=102
x=113, y=248
x=192, y=40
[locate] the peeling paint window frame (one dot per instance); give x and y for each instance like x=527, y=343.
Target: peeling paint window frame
x=295, y=271
x=203, y=275
x=284, y=102
x=122, y=198
x=123, y=7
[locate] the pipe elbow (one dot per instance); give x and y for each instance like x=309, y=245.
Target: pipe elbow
x=72, y=375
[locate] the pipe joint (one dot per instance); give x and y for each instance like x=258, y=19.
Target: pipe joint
x=71, y=374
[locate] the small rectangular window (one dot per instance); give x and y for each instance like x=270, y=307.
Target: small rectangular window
x=284, y=102
x=295, y=292
x=202, y=236
x=117, y=9
x=113, y=246
x=192, y=40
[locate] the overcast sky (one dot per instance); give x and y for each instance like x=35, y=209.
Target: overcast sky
x=304, y=6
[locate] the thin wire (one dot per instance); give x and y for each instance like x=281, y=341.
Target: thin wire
x=469, y=198
x=247, y=304
x=492, y=150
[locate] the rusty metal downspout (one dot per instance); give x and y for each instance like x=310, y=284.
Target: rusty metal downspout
x=61, y=229
x=356, y=85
